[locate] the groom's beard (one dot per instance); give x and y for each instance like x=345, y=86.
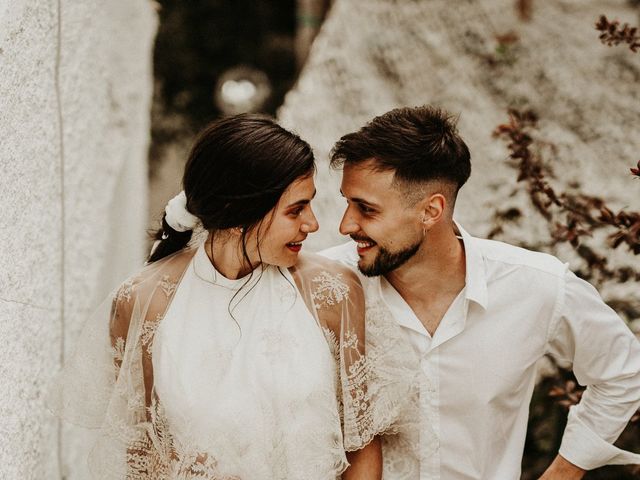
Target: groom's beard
x=387, y=261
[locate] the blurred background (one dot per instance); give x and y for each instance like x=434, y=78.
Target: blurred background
x=215, y=58
x=101, y=100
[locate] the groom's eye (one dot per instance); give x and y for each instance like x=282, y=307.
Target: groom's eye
x=365, y=209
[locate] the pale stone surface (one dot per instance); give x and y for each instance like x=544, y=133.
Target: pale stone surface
x=30, y=223
x=29, y=159
x=371, y=56
x=75, y=98
x=28, y=434
x=105, y=168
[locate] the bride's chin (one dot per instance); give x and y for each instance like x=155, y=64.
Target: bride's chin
x=290, y=262
x=287, y=261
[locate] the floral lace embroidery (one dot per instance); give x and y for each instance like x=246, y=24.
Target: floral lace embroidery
x=330, y=290
x=167, y=286
x=125, y=291
x=148, y=332
x=135, y=402
x=156, y=455
x=350, y=341
x=334, y=346
x=357, y=415
x=396, y=390
x=118, y=353
x=356, y=383
x=118, y=350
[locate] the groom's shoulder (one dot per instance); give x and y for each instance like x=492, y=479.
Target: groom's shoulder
x=502, y=254
x=345, y=253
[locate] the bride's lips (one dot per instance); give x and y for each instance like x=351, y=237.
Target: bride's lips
x=295, y=246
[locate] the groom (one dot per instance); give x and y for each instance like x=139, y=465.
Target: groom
x=478, y=313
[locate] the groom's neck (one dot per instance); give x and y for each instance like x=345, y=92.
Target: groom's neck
x=438, y=268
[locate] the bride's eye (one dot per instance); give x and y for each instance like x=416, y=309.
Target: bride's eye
x=296, y=212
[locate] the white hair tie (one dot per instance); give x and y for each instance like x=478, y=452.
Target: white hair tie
x=177, y=215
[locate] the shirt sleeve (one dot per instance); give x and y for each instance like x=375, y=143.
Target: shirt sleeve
x=605, y=355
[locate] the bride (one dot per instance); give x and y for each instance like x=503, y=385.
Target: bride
x=236, y=356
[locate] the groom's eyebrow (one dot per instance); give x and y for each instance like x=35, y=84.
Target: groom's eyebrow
x=304, y=201
x=360, y=200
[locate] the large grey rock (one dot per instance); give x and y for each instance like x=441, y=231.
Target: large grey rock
x=75, y=90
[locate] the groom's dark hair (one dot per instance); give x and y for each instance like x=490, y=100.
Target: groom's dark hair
x=418, y=144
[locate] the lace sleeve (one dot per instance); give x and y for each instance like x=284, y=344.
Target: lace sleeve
x=377, y=384
x=339, y=302
x=335, y=295
x=394, y=368
x=107, y=384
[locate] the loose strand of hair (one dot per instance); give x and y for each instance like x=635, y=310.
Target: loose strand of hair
x=171, y=241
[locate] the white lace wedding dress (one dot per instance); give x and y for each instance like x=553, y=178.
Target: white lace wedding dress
x=189, y=375
x=243, y=369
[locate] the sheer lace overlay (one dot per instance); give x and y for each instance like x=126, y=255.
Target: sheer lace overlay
x=397, y=369
x=154, y=426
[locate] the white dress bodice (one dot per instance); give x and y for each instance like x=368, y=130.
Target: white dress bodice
x=244, y=373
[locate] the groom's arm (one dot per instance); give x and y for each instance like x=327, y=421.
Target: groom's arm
x=562, y=469
x=605, y=356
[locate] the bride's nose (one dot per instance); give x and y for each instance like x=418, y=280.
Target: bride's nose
x=310, y=223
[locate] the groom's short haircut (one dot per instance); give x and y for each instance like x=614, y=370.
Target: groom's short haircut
x=418, y=144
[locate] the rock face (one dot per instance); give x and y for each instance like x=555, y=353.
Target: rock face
x=75, y=87
x=374, y=55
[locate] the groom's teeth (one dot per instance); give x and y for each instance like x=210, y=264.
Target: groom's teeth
x=364, y=244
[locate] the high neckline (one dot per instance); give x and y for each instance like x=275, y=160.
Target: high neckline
x=207, y=272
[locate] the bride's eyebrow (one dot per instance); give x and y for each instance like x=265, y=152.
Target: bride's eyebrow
x=304, y=201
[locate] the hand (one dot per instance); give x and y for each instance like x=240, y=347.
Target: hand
x=561, y=469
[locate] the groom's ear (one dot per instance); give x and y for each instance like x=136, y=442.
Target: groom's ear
x=432, y=209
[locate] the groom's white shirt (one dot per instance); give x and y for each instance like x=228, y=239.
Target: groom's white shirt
x=480, y=365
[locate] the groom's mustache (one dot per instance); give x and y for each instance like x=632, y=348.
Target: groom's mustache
x=358, y=238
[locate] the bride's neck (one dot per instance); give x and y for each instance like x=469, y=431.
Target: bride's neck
x=225, y=253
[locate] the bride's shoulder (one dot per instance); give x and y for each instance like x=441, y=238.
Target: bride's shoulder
x=145, y=295
x=332, y=289
x=164, y=274
x=312, y=264
x=328, y=282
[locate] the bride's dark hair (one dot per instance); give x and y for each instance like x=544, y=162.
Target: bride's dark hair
x=236, y=172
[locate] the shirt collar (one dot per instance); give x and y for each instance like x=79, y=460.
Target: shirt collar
x=400, y=310
x=475, y=276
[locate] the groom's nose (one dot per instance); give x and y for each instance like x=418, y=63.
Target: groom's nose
x=348, y=224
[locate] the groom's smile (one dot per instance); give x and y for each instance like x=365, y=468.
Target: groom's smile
x=364, y=244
